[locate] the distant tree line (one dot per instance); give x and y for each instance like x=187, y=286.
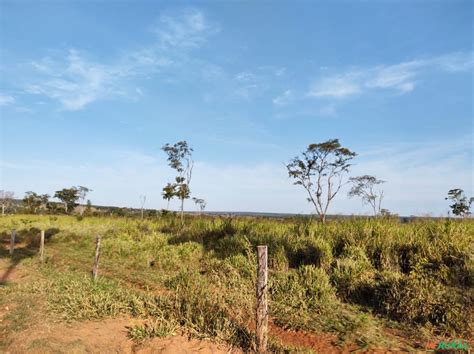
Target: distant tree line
x=321, y=171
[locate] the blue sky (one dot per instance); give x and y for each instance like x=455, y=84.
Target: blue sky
x=90, y=91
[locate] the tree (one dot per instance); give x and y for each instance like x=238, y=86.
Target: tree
x=168, y=193
x=88, y=207
x=180, y=159
x=6, y=199
x=319, y=170
x=81, y=196
x=33, y=201
x=461, y=205
x=142, y=202
x=200, y=203
x=69, y=197
x=364, y=188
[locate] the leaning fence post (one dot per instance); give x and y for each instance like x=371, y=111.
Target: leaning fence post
x=95, y=269
x=262, y=306
x=12, y=241
x=42, y=247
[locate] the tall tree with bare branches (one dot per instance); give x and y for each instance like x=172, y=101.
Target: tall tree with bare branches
x=320, y=171
x=6, y=199
x=365, y=187
x=200, y=203
x=81, y=194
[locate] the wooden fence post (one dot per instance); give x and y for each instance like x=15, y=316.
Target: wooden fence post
x=42, y=247
x=262, y=305
x=12, y=242
x=95, y=269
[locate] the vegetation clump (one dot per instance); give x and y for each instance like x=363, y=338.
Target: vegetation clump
x=351, y=278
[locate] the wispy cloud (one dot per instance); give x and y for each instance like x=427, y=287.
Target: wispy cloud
x=75, y=81
x=400, y=77
x=337, y=86
x=251, y=83
x=6, y=99
x=283, y=99
x=189, y=29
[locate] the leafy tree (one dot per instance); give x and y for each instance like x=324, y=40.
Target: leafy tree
x=6, y=199
x=319, y=170
x=180, y=159
x=168, y=193
x=461, y=205
x=69, y=197
x=364, y=188
x=88, y=207
x=81, y=196
x=200, y=203
x=33, y=201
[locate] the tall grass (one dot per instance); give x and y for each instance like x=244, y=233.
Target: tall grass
x=344, y=277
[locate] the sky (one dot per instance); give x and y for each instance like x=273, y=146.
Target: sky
x=91, y=90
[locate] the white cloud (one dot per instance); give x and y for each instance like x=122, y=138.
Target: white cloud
x=337, y=86
x=6, y=99
x=78, y=82
x=455, y=62
x=187, y=30
x=246, y=76
x=283, y=99
x=400, y=77
x=75, y=81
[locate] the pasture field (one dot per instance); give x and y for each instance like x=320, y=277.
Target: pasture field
x=341, y=286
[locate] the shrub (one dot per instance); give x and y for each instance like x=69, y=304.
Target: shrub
x=353, y=274
x=310, y=251
x=419, y=299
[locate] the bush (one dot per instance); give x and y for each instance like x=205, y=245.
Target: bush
x=310, y=251
x=421, y=300
x=307, y=287
x=353, y=274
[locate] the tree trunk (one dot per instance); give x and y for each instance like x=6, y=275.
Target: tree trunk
x=322, y=218
x=65, y=207
x=168, y=205
x=3, y=209
x=142, y=213
x=182, y=209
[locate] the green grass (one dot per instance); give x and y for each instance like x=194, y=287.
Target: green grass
x=350, y=278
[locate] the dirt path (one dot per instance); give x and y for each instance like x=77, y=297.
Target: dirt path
x=106, y=336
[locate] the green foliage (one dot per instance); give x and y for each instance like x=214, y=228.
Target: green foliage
x=200, y=276
x=33, y=201
x=461, y=204
x=352, y=273
x=364, y=188
x=69, y=197
x=179, y=159
x=417, y=299
x=319, y=171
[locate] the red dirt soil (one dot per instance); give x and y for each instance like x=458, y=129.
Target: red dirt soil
x=106, y=336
